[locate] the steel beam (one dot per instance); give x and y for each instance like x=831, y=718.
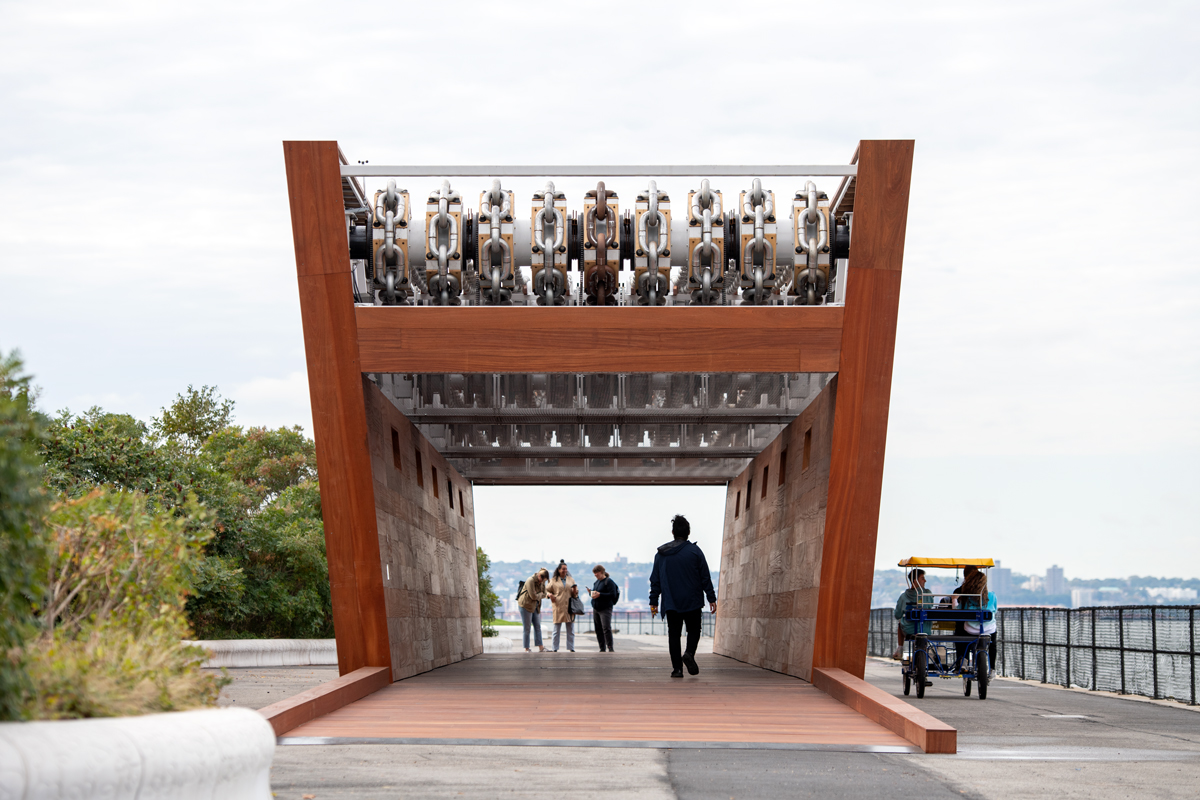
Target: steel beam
x=598, y=171
x=598, y=452
x=600, y=416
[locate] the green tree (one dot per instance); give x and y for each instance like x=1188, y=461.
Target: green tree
x=262, y=572
x=97, y=448
x=195, y=415
x=22, y=544
x=488, y=599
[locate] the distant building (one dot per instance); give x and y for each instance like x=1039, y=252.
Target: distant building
x=622, y=560
x=1081, y=598
x=637, y=590
x=1171, y=594
x=1000, y=580
x=1034, y=584
x=1055, y=582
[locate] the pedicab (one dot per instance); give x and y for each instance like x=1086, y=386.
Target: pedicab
x=942, y=623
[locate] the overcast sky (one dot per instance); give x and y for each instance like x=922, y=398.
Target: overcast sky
x=1044, y=404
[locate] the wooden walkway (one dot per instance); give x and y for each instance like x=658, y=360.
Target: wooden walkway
x=594, y=699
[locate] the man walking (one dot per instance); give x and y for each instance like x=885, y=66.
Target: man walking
x=680, y=577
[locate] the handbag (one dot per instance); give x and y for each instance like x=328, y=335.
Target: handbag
x=575, y=607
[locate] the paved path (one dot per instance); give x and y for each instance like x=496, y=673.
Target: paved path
x=1033, y=741
x=1023, y=742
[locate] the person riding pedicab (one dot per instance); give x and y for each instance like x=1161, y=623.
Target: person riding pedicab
x=915, y=595
x=973, y=595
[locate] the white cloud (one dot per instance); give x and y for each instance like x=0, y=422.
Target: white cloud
x=274, y=402
x=1051, y=299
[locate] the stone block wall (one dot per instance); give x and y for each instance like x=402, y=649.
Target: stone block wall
x=425, y=514
x=771, y=550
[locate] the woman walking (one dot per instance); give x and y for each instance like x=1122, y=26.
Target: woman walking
x=562, y=588
x=529, y=600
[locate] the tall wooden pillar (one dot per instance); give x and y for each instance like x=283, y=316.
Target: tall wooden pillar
x=339, y=421
x=863, y=397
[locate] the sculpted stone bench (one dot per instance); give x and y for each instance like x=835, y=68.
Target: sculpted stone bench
x=214, y=754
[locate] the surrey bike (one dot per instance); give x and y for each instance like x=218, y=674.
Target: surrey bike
x=943, y=623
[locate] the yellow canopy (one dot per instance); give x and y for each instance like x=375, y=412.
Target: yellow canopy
x=946, y=563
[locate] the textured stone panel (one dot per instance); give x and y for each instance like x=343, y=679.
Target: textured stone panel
x=426, y=548
x=771, y=552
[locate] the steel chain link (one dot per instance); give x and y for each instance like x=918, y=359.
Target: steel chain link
x=651, y=286
x=442, y=239
x=548, y=282
x=813, y=241
x=759, y=253
x=499, y=210
x=390, y=207
x=600, y=283
x=706, y=207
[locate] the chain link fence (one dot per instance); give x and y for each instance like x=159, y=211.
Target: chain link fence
x=1145, y=650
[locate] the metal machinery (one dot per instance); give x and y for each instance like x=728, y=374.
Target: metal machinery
x=581, y=247
x=595, y=254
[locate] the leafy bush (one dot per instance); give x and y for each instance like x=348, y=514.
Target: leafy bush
x=22, y=546
x=263, y=571
x=113, y=616
x=488, y=599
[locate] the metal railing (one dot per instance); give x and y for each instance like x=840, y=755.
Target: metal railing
x=1144, y=650
x=640, y=622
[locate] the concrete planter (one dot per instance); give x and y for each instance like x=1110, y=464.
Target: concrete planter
x=270, y=652
x=214, y=754
x=497, y=644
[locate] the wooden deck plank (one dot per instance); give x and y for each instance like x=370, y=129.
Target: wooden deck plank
x=594, y=697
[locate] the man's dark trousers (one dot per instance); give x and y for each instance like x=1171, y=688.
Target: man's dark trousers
x=675, y=622
x=602, y=622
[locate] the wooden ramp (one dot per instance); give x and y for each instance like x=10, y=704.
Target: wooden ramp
x=601, y=700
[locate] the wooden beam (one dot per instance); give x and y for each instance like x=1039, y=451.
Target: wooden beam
x=339, y=421
x=329, y=696
x=864, y=393
x=627, y=339
x=924, y=730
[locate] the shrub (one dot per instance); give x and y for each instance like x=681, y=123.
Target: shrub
x=262, y=572
x=113, y=615
x=283, y=574
x=488, y=599
x=22, y=546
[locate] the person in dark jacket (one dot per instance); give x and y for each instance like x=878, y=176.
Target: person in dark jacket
x=681, y=578
x=604, y=596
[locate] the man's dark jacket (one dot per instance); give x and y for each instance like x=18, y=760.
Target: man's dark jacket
x=680, y=576
x=608, y=594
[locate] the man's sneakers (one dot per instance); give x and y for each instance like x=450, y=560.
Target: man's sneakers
x=689, y=661
x=677, y=673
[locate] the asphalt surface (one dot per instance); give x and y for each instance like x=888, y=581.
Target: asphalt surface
x=1024, y=741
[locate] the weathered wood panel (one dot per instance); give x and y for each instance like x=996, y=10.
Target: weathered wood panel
x=553, y=697
x=329, y=696
x=626, y=339
x=335, y=388
x=864, y=395
x=925, y=731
